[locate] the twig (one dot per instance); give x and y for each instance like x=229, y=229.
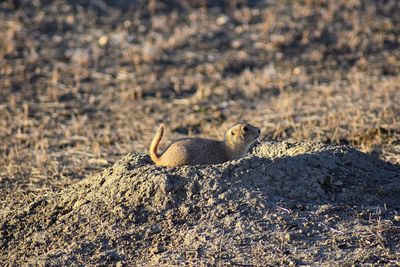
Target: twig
x=331, y=228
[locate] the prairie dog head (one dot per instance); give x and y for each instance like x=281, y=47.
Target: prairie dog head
x=242, y=135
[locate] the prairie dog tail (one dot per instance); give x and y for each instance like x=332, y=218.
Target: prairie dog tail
x=154, y=144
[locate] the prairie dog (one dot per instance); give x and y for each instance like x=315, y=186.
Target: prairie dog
x=194, y=151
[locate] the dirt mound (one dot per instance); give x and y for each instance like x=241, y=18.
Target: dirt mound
x=135, y=212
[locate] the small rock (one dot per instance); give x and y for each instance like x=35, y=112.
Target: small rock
x=222, y=20
x=103, y=40
x=338, y=183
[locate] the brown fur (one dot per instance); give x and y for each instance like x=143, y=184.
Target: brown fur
x=194, y=151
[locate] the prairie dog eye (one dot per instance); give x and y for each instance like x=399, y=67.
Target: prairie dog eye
x=232, y=132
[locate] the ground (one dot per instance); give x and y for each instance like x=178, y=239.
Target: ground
x=82, y=84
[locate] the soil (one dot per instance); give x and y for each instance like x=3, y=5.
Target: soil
x=286, y=203
x=85, y=84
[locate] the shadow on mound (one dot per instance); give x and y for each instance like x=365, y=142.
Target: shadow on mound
x=135, y=210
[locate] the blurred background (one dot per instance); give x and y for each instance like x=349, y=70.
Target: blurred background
x=84, y=82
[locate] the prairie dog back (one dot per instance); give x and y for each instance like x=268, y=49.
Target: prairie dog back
x=194, y=151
